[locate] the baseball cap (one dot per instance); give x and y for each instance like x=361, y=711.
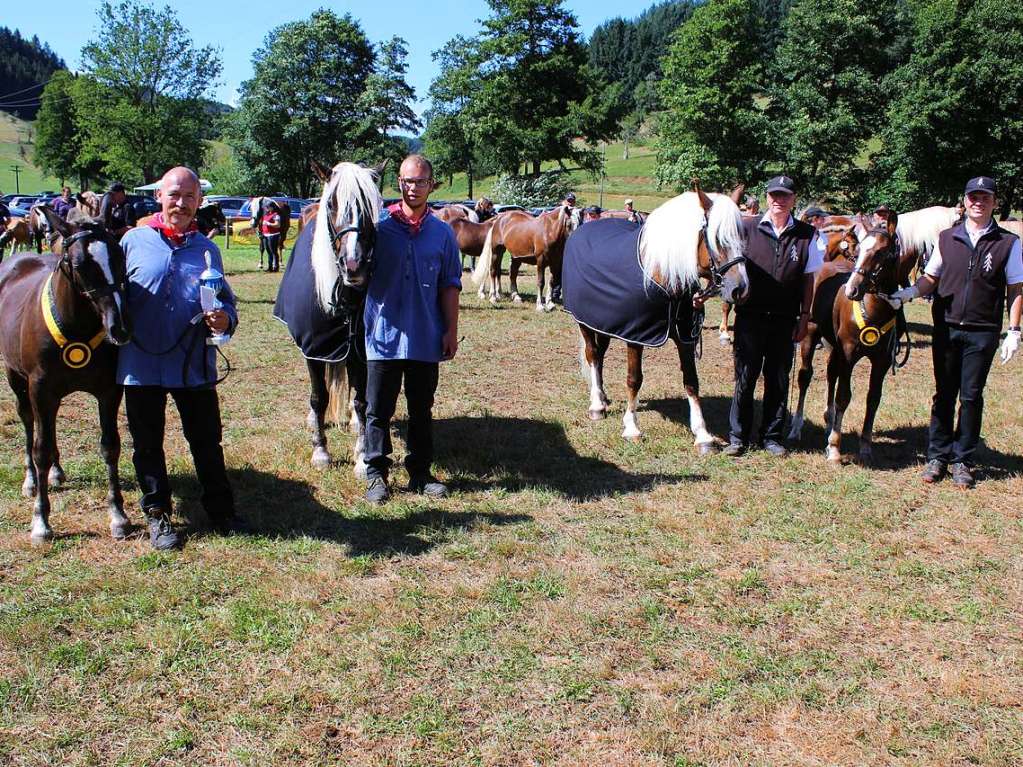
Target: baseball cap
x=594, y=210
x=883, y=208
x=570, y=196
x=981, y=184
x=811, y=212
x=781, y=184
x=117, y=186
x=628, y=201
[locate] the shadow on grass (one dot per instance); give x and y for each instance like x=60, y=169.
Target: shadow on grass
x=288, y=508
x=522, y=453
x=908, y=447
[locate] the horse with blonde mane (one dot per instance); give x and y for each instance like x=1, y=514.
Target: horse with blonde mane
x=322, y=295
x=638, y=284
x=918, y=236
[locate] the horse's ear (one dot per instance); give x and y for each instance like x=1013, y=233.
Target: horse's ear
x=378, y=169
x=893, y=222
x=705, y=201
x=58, y=224
x=322, y=171
x=736, y=195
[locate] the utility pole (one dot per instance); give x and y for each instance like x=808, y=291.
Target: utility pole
x=16, y=170
x=603, y=172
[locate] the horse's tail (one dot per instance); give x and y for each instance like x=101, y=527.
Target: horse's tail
x=338, y=391
x=486, y=256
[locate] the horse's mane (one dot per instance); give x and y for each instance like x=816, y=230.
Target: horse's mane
x=918, y=229
x=355, y=194
x=670, y=239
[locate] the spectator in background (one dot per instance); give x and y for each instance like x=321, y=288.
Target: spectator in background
x=63, y=204
x=116, y=213
x=271, y=231
x=633, y=215
x=592, y=213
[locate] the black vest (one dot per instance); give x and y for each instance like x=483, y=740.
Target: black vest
x=775, y=266
x=971, y=289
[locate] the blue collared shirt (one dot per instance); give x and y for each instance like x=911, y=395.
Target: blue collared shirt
x=163, y=298
x=404, y=318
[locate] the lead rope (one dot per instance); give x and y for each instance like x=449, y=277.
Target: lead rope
x=900, y=346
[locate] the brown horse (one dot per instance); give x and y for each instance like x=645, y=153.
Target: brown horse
x=455, y=211
x=209, y=219
x=693, y=236
x=539, y=241
x=471, y=237
x=18, y=233
x=56, y=316
x=88, y=203
x=259, y=207
x=849, y=314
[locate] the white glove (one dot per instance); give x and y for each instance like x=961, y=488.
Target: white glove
x=900, y=297
x=1010, y=345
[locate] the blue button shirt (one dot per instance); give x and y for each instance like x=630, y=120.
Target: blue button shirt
x=404, y=320
x=163, y=297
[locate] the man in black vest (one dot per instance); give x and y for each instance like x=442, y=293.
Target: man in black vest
x=974, y=267
x=782, y=255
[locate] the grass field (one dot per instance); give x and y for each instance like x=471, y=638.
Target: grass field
x=579, y=600
x=16, y=148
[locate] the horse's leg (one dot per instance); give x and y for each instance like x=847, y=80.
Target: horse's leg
x=110, y=449
x=318, y=399
x=806, y=350
x=591, y=361
x=357, y=378
x=20, y=387
x=843, y=394
x=702, y=438
x=45, y=411
x=878, y=369
x=513, y=280
x=633, y=381
x=541, y=279
x=723, y=337
x=495, y=273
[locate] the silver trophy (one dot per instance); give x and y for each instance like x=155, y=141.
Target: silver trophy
x=211, y=282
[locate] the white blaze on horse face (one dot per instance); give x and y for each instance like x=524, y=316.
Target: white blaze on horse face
x=352, y=244
x=866, y=245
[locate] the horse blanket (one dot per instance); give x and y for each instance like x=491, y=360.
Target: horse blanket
x=603, y=287
x=318, y=335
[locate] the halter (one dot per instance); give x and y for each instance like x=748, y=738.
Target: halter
x=889, y=251
x=717, y=271
x=338, y=297
x=870, y=334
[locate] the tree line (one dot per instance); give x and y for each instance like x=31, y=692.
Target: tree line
x=25, y=66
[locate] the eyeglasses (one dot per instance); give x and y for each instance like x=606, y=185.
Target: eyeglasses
x=416, y=181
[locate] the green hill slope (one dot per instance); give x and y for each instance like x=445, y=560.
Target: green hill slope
x=16, y=148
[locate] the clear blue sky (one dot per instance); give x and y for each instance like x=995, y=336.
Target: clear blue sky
x=238, y=29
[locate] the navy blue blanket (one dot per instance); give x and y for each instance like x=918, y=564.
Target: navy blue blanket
x=318, y=335
x=602, y=284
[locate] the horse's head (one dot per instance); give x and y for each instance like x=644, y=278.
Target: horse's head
x=88, y=203
x=877, y=259
x=92, y=259
x=573, y=217
x=722, y=251
x=210, y=218
x=840, y=241
x=346, y=228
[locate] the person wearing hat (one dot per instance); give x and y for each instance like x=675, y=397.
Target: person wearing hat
x=592, y=213
x=633, y=215
x=975, y=270
x=116, y=213
x=782, y=255
x=815, y=216
x=880, y=216
x=569, y=200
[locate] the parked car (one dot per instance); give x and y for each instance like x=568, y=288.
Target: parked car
x=143, y=205
x=25, y=201
x=295, y=203
x=504, y=208
x=229, y=205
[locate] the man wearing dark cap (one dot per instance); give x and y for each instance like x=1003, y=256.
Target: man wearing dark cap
x=116, y=213
x=880, y=217
x=975, y=270
x=592, y=213
x=815, y=216
x=782, y=255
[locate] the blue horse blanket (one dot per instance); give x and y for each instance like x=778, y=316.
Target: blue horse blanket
x=318, y=335
x=603, y=288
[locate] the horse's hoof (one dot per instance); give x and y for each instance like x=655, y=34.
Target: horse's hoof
x=866, y=458
x=834, y=457
x=360, y=469
x=516, y=298
x=707, y=448
x=321, y=458
x=597, y=415
x=635, y=439
x=120, y=530
x=56, y=477
x=549, y=307
x=28, y=489
x=493, y=301
x=41, y=536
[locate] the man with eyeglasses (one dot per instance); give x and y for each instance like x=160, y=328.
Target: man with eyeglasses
x=411, y=325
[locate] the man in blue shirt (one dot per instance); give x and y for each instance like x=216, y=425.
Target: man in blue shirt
x=411, y=325
x=169, y=355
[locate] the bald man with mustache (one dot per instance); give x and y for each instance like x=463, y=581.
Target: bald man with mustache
x=168, y=355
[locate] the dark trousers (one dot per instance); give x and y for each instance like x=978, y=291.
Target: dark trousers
x=962, y=360
x=383, y=383
x=273, y=251
x=763, y=343
x=199, y=410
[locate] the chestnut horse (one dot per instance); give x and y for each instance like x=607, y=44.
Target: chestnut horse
x=471, y=237
x=455, y=211
x=18, y=233
x=653, y=271
x=57, y=315
x=848, y=312
x=539, y=241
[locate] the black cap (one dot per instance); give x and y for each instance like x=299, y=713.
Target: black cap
x=981, y=184
x=811, y=212
x=781, y=184
x=594, y=210
x=117, y=186
x=570, y=196
x=883, y=208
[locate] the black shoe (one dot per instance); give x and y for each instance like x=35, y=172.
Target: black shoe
x=230, y=525
x=776, y=449
x=734, y=449
x=162, y=534
x=934, y=471
x=377, y=491
x=962, y=476
x=428, y=485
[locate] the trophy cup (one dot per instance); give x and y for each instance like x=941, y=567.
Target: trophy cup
x=211, y=282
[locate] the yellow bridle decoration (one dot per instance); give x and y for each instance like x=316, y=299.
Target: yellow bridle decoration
x=75, y=354
x=869, y=334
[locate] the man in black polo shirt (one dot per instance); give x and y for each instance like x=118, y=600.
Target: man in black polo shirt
x=975, y=267
x=116, y=213
x=782, y=255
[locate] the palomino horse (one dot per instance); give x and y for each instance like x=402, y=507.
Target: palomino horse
x=259, y=207
x=918, y=235
x=322, y=295
x=638, y=284
x=88, y=203
x=539, y=241
x=849, y=314
x=56, y=313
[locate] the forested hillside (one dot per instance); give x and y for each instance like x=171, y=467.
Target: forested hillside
x=25, y=66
